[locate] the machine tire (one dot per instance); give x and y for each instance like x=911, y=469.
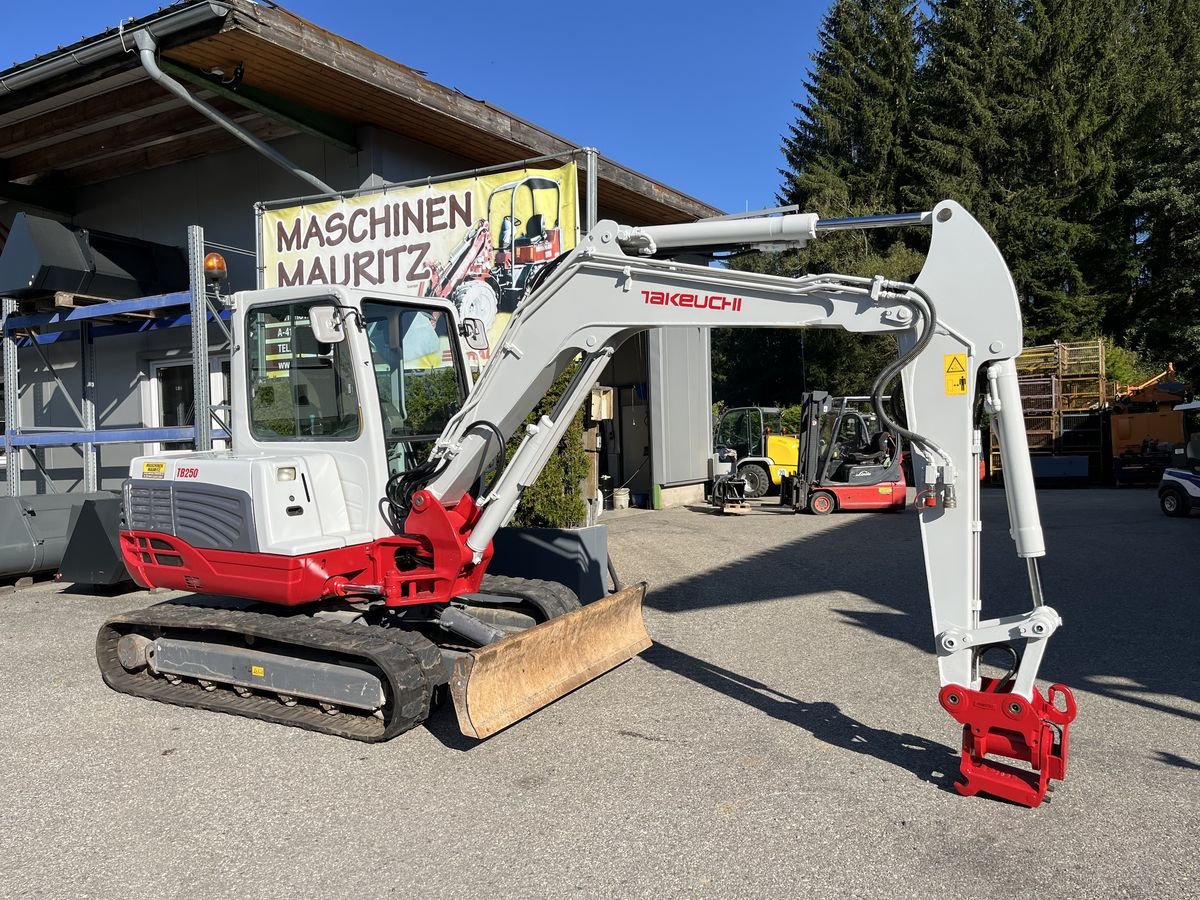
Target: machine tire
x=821, y=503
x=477, y=298
x=758, y=481
x=1174, y=502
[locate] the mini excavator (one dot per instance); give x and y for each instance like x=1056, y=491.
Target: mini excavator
x=352, y=521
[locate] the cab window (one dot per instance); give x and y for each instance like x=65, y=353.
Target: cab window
x=417, y=377
x=731, y=432
x=299, y=388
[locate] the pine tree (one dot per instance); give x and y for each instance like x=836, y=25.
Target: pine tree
x=847, y=151
x=965, y=95
x=1022, y=107
x=1063, y=226
x=1162, y=174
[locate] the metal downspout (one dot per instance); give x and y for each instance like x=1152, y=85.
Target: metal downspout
x=147, y=48
x=103, y=48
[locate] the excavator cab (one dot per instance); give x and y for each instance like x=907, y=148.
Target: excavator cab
x=339, y=397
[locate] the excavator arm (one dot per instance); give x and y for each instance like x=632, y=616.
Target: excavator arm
x=958, y=329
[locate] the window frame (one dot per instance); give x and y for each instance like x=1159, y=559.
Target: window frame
x=457, y=364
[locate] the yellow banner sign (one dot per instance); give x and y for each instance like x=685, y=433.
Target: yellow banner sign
x=476, y=242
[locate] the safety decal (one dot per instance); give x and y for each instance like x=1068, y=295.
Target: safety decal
x=153, y=469
x=258, y=671
x=956, y=373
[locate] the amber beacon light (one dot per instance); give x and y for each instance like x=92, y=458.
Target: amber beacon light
x=215, y=268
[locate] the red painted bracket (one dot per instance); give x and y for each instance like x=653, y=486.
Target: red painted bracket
x=998, y=723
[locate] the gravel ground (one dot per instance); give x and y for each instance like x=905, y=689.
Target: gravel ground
x=782, y=738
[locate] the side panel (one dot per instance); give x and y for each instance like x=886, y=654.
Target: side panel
x=875, y=496
x=680, y=405
x=784, y=453
x=287, y=505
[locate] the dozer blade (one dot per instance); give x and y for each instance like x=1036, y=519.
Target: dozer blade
x=502, y=683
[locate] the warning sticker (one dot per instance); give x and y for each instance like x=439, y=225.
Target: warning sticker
x=154, y=469
x=956, y=373
x=258, y=671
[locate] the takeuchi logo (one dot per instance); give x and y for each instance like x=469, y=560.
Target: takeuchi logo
x=715, y=302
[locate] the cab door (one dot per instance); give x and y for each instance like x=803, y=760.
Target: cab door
x=733, y=431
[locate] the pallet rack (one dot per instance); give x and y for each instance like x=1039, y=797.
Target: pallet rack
x=1063, y=391
x=193, y=309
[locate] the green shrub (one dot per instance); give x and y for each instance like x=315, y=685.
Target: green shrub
x=555, y=500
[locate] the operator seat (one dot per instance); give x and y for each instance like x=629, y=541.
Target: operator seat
x=534, y=230
x=875, y=453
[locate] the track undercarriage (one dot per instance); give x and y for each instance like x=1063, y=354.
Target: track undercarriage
x=358, y=671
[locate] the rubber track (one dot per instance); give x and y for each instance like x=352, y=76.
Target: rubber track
x=412, y=666
x=550, y=597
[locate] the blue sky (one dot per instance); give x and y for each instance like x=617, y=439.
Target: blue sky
x=694, y=94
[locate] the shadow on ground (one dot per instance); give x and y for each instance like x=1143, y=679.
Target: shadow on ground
x=930, y=761
x=1113, y=596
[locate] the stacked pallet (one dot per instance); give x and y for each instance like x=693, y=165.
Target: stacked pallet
x=1063, y=391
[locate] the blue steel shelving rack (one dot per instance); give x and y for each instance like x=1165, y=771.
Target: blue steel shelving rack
x=195, y=310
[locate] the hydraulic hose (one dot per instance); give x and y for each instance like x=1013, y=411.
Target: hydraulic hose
x=924, y=305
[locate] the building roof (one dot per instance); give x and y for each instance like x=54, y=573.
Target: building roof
x=87, y=113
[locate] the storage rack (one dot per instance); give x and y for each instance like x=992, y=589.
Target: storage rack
x=1063, y=392
x=193, y=308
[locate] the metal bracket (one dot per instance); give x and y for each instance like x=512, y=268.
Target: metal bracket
x=1036, y=625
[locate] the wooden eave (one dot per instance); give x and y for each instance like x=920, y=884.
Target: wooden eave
x=118, y=123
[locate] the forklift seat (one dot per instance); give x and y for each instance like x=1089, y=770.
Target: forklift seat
x=877, y=450
x=534, y=230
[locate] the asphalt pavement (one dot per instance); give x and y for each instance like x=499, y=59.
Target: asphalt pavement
x=782, y=738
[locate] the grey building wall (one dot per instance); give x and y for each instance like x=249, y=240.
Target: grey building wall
x=219, y=193
x=681, y=405
x=660, y=439
x=123, y=367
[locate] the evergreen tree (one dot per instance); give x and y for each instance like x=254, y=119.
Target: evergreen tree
x=1168, y=298
x=1021, y=110
x=847, y=152
x=1064, y=229
x=965, y=96
x=1162, y=179
x=1070, y=128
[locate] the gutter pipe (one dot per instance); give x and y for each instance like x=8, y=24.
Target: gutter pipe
x=147, y=48
x=168, y=24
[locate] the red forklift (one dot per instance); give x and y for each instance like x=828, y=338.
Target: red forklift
x=848, y=460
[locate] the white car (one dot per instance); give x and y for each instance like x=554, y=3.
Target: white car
x=1179, y=491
